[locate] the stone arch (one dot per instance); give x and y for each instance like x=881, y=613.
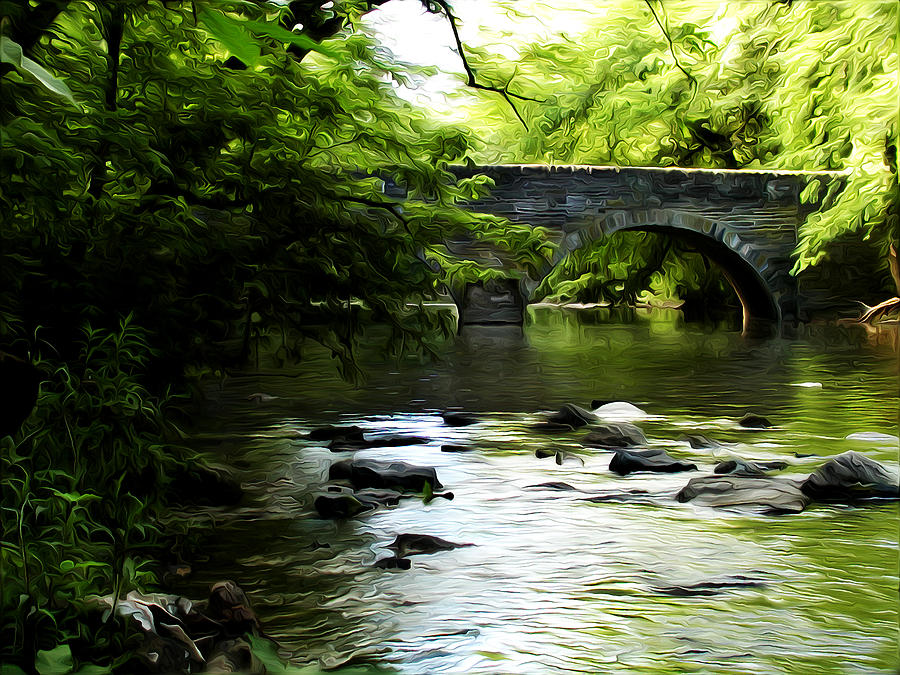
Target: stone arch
x=716, y=240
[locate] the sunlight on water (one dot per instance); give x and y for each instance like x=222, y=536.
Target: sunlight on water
x=554, y=583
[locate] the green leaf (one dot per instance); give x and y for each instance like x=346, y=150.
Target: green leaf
x=283, y=35
x=11, y=52
x=237, y=35
x=56, y=661
x=231, y=34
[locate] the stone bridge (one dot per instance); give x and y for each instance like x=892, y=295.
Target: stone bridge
x=744, y=221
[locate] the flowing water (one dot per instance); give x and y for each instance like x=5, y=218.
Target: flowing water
x=555, y=583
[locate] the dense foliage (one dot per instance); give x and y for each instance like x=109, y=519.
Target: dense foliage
x=774, y=85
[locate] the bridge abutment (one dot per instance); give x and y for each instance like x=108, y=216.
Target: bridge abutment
x=496, y=301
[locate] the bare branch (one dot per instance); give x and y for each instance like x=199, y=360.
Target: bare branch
x=665, y=32
x=471, y=80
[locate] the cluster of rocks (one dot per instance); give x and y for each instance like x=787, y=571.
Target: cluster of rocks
x=850, y=477
x=179, y=635
x=372, y=483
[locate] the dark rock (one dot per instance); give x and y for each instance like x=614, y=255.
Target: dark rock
x=379, y=497
x=629, y=461
x=803, y=455
x=420, y=544
x=552, y=485
x=233, y=656
x=742, y=467
x=352, y=444
x=707, y=588
x=206, y=484
x=624, y=497
x=614, y=435
x=393, y=563
x=340, y=506
x=767, y=494
x=459, y=419
x=158, y=654
x=365, y=473
x=449, y=447
x=552, y=427
x=330, y=433
x=544, y=453
x=749, y=421
x=228, y=604
x=851, y=477
x=572, y=415
x=18, y=394
x=700, y=442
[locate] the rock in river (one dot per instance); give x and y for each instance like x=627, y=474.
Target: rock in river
x=418, y=544
x=459, y=419
x=329, y=433
x=619, y=410
x=849, y=477
x=741, y=467
x=393, y=563
x=701, y=442
x=614, y=435
x=749, y=421
x=629, y=461
x=339, y=506
x=768, y=494
x=572, y=415
x=364, y=473
x=350, y=444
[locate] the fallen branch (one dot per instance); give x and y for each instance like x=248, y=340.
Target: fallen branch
x=874, y=313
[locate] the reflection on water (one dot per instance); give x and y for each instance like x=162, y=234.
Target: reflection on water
x=555, y=583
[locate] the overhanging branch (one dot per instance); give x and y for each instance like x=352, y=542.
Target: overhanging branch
x=665, y=32
x=471, y=79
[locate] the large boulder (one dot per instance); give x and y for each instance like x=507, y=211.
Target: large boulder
x=851, y=477
x=629, y=461
x=614, y=435
x=371, y=473
x=769, y=495
x=572, y=415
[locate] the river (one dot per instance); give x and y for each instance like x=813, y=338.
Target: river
x=554, y=583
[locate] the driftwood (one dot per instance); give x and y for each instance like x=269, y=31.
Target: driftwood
x=873, y=314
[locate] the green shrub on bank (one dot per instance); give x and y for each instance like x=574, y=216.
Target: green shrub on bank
x=81, y=485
